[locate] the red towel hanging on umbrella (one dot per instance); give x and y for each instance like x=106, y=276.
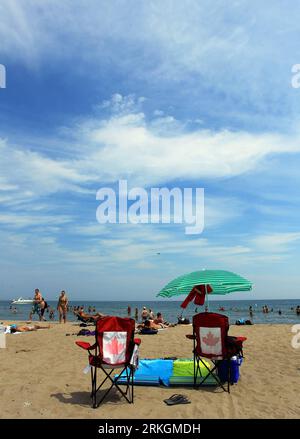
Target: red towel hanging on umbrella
x=197, y=295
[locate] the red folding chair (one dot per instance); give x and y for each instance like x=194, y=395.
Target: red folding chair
x=211, y=340
x=115, y=347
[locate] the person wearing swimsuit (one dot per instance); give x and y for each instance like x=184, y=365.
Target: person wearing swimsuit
x=36, y=304
x=27, y=328
x=62, y=306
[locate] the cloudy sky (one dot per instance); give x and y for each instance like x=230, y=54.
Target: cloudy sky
x=162, y=94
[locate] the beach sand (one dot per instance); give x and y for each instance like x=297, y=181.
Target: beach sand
x=42, y=377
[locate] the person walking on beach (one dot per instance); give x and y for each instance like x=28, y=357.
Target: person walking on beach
x=136, y=314
x=62, y=306
x=43, y=306
x=37, y=299
x=51, y=314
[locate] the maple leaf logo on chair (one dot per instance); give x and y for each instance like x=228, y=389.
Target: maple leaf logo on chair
x=210, y=340
x=114, y=347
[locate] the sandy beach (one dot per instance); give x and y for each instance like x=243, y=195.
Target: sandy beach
x=42, y=377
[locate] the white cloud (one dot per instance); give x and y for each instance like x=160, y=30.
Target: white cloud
x=214, y=48
x=276, y=242
x=28, y=174
x=126, y=145
x=217, y=44
x=21, y=221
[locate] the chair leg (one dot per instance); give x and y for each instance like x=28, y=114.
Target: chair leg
x=129, y=376
x=195, y=377
x=209, y=372
x=128, y=381
x=229, y=375
x=132, y=385
x=129, y=386
x=91, y=395
x=94, y=386
x=114, y=383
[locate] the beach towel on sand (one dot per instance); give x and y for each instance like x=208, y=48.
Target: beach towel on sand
x=185, y=367
x=152, y=372
x=167, y=372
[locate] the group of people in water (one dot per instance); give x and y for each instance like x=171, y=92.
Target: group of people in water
x=266, y=310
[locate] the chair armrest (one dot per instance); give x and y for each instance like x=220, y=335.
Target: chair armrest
x=241, y=338
x=191, y=336
x=234, y=339
x=86, y=346
x=137, y=341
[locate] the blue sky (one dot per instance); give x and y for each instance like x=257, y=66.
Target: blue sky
x=184, y=94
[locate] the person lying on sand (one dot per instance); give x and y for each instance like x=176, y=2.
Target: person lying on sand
x=151, y=325
x=148, y=324
x=26, y=328
x=86, y=316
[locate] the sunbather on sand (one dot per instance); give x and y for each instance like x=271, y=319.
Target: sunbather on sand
x=149, y=324
x=159, y=320
x=86, y=316
x=27, y=328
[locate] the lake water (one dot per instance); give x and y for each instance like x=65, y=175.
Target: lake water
x=234, y=309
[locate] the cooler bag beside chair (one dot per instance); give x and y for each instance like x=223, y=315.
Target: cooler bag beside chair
x=211, y=340
x=114, y=348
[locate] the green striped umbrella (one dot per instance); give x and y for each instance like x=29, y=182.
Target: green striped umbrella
x=221, y=281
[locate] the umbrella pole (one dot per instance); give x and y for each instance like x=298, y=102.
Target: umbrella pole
x=206, y=299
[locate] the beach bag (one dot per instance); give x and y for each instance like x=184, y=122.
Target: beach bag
x=86, y=332
x=235, y=363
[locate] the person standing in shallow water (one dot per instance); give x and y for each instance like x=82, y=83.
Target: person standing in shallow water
x=136, y=314
x=151, y=315
x=44, y=307
x=36, y=304
x=129, y=310
x=62, y=306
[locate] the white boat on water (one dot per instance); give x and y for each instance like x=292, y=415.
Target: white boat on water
x=21, y=301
